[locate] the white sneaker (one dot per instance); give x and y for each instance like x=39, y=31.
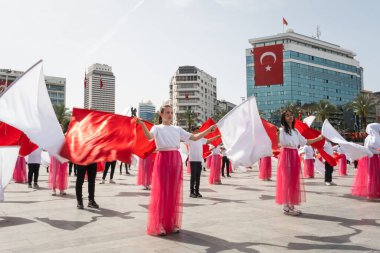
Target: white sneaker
x=103, y=181
x=112, y=182
x=328, y=184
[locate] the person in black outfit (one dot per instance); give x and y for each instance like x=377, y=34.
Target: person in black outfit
x=91, y=174
x=225, y=162
x=71, y=168
x=108, y=164
x=127, y=165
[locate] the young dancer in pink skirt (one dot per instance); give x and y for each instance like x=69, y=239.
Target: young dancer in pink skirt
x=342, y=171
x=165, y=206
x=265, y=168
x=58, y=174
x=289, y=190
x=308, y=162
x=145, y=170
x=216, y=166
x=367, y=181
x=19, y=174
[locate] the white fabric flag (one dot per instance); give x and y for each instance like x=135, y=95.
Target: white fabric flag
x=319, y=167
x=244, y=135
x=8, y=158
x=26, y=106
x=352, y=150
x=309, y=120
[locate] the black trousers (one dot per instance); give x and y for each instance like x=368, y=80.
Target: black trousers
x=71, y=168
x=126, y=167
x=91, y=176
x=225, y=163
x=328, y=172
x=33, y=170
x=108, y=164
x=195, y=178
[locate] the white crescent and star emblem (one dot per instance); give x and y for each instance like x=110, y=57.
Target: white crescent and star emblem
x=268, y=68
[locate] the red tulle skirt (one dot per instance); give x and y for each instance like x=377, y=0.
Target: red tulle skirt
x=100, y=166
x=208, y=162
x=19, y=174
x=308, y=168
x=265, y=168
x=215, y=170
x=290, y=189
x=165, y=206
x=342, y=165
x=231, y=170
x=367, y=181
x=145, y=170
x=58, y=173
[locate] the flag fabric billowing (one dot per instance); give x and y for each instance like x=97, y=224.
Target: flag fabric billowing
x=352, y=150
x=8, y=158
x=284, y=22
x=210, y=122
x=95, y=136
x=206, y=151
x=26, y=106
x=10, y=136
x=272, y=133
x=142, y=147
x=101, y=82
x=310, y=133
x=244, y=135
x=309, y=120
x=268, y=65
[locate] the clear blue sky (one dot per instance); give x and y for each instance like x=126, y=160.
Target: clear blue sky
x=146, y=40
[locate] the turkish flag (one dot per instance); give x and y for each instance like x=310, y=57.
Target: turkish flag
x=101, y=82
x=268, y=65
x=142, y=147
x=85, y=80
x=310, y=133
x=209, y=122
x=95, y=136
x=206, y=151
x=10, y=136
x=272, y=133
x=284, y=22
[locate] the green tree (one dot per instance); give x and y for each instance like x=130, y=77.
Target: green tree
x=219, y=114
x=190, y=117
x=63, y=115
x=363, y=105
x=324, y=109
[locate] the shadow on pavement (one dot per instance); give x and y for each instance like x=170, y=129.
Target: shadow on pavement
x=8, y=221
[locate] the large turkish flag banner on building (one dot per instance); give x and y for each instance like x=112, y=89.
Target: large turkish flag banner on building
x=268, y=65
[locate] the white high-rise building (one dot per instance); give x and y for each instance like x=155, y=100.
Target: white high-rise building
x=192, y=89
x=99, y=93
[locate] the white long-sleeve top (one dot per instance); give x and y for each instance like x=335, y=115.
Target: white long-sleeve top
x=291, y=141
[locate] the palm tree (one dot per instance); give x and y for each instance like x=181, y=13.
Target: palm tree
x=324, y=109
x=63, y=115
x=191, y=117
x=363, y=105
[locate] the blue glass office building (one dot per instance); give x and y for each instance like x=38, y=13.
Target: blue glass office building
x=313, y=70
x=147, y=111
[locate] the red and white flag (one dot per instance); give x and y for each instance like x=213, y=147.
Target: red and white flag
x=268, y=65
x=284, y=22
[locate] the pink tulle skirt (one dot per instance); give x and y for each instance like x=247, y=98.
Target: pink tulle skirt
x=231, y=171
x=215, y=170
x=342, y=165
x=367, y=181
x=58, y=173
x=290, y=189
x=145, y=170
x=165, y=206
x=208, y=162
x=19, y=174
x=308, y=168
x=265, y=168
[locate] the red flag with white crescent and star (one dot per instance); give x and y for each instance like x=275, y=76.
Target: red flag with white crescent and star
x=268, y=65
x=101, y=82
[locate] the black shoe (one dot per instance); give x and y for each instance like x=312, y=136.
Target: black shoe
x=80, y=204
x=192, y=195
x=30, y=185
x=223, y=176
x=128, y=173
x=198, y=195
x=36, y=186
x=228, y=176
x=93, y=204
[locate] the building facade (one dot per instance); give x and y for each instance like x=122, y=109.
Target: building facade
x=99, y=92
x=192, y=90
x=147, y=111
x=56, y=86
x=314, y=70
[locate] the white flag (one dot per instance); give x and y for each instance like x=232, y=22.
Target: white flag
x=309, y=120
x=352, y=150
x=26, y=106
x=243, y=134
x=8, y=158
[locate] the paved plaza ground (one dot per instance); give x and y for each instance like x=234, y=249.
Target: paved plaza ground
x=238, y=216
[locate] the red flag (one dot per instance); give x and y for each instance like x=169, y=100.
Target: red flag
x=284, y=22
x=101, y=82
x=205, y=126
x=85, y=80
x=95, y=136
x=206, y=151
x=268, y=65
x=310, y=133
x=187, y=96
x=141, y=146
x=272, y=133
x=10, y=136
